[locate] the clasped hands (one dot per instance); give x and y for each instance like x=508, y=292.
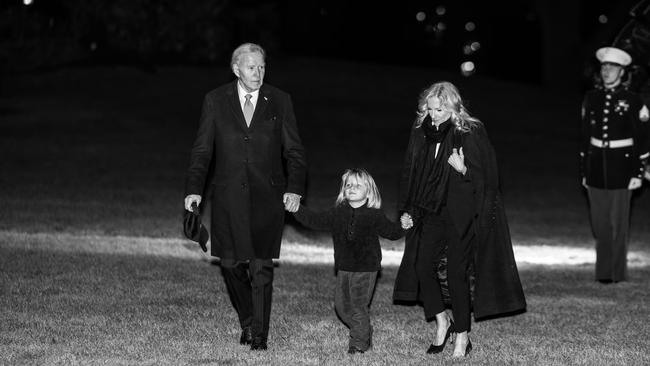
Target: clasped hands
x=291, y=201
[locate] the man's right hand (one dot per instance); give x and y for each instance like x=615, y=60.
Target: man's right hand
x=191, y=198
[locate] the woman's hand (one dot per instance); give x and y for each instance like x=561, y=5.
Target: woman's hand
x=457, y=161
x=406, y=220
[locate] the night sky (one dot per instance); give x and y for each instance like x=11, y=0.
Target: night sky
x=531, y=41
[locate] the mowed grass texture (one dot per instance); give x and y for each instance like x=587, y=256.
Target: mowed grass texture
x=85, y=300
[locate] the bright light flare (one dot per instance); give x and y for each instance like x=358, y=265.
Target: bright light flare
x=28, y=2
x=467, y=68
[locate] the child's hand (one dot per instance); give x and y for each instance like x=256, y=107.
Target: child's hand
x=406, y=220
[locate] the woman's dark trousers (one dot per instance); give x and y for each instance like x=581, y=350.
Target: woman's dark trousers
x=436, y=233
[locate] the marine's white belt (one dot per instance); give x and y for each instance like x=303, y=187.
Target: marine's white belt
x=612, y=144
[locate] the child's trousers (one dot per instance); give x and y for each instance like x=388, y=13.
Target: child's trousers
x=352, y=302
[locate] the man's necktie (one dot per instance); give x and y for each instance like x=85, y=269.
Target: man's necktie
x=248, y=109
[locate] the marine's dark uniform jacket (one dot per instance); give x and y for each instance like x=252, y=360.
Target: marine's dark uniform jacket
x=476, y=209
x=248, y=179
x=615, y=140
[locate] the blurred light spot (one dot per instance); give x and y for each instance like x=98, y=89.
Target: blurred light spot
x=28, y=2
x=93, y=46
x=602, y=19
x=420, y=16
x=467, y=49
x=470, y=26
x=467, y=68
x=475, y=46
x=441, y=10
x=441, y=26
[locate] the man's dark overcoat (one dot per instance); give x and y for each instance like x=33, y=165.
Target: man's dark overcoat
x=475, y=207
x=247, y=170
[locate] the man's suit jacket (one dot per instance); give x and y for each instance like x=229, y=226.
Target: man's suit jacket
x=247, y=169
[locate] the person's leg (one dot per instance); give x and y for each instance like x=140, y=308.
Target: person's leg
x=431, y=246
x=620, y=219
x=459, y=253
x=342, y=297
x=238, y=285
x=261, y=272
x=362, y=286
x=600, y=205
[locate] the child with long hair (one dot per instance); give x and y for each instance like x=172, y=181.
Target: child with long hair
x=356, y=222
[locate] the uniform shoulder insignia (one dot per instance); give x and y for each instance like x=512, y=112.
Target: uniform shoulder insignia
x=644, y=114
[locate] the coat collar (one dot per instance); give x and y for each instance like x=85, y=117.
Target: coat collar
x=262, y=102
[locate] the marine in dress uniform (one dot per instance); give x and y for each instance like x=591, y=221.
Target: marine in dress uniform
x=614, y=150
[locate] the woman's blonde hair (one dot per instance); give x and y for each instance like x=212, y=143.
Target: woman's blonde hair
x=450, y=98
x=374, y=198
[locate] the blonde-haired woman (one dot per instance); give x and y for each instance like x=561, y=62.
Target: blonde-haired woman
x=449, y=195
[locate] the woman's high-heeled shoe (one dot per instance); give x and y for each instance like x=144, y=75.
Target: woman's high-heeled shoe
x=437, y=349
x=468, y=348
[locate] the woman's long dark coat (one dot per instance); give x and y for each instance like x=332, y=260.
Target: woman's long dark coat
x=247, y=177
x=476, y=209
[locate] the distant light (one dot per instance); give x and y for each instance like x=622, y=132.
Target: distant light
x=420, y=16
x=28, y=2
x=475, y=46
x=602, y=19
x=470, y=26
x=467, y=68
x=93, y=46
x=441, y=10
x=441, y=26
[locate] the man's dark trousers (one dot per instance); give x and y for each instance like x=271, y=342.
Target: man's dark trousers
x=250, y=286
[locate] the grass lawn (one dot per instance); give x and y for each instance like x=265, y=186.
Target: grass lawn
x=85, y=300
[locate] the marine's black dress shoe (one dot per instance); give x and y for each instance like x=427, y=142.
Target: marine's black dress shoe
x=258, y=344
x=246, y=336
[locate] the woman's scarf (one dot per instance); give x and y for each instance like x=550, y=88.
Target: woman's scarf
x=428, y=188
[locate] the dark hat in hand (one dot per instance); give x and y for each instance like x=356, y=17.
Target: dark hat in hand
x=193, y=228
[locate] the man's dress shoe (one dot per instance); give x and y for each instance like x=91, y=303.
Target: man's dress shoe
x=246, y=336
x=258, y=344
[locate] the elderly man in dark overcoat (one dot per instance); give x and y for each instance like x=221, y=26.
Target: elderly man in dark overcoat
x=614, y=148
x=248, y=152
